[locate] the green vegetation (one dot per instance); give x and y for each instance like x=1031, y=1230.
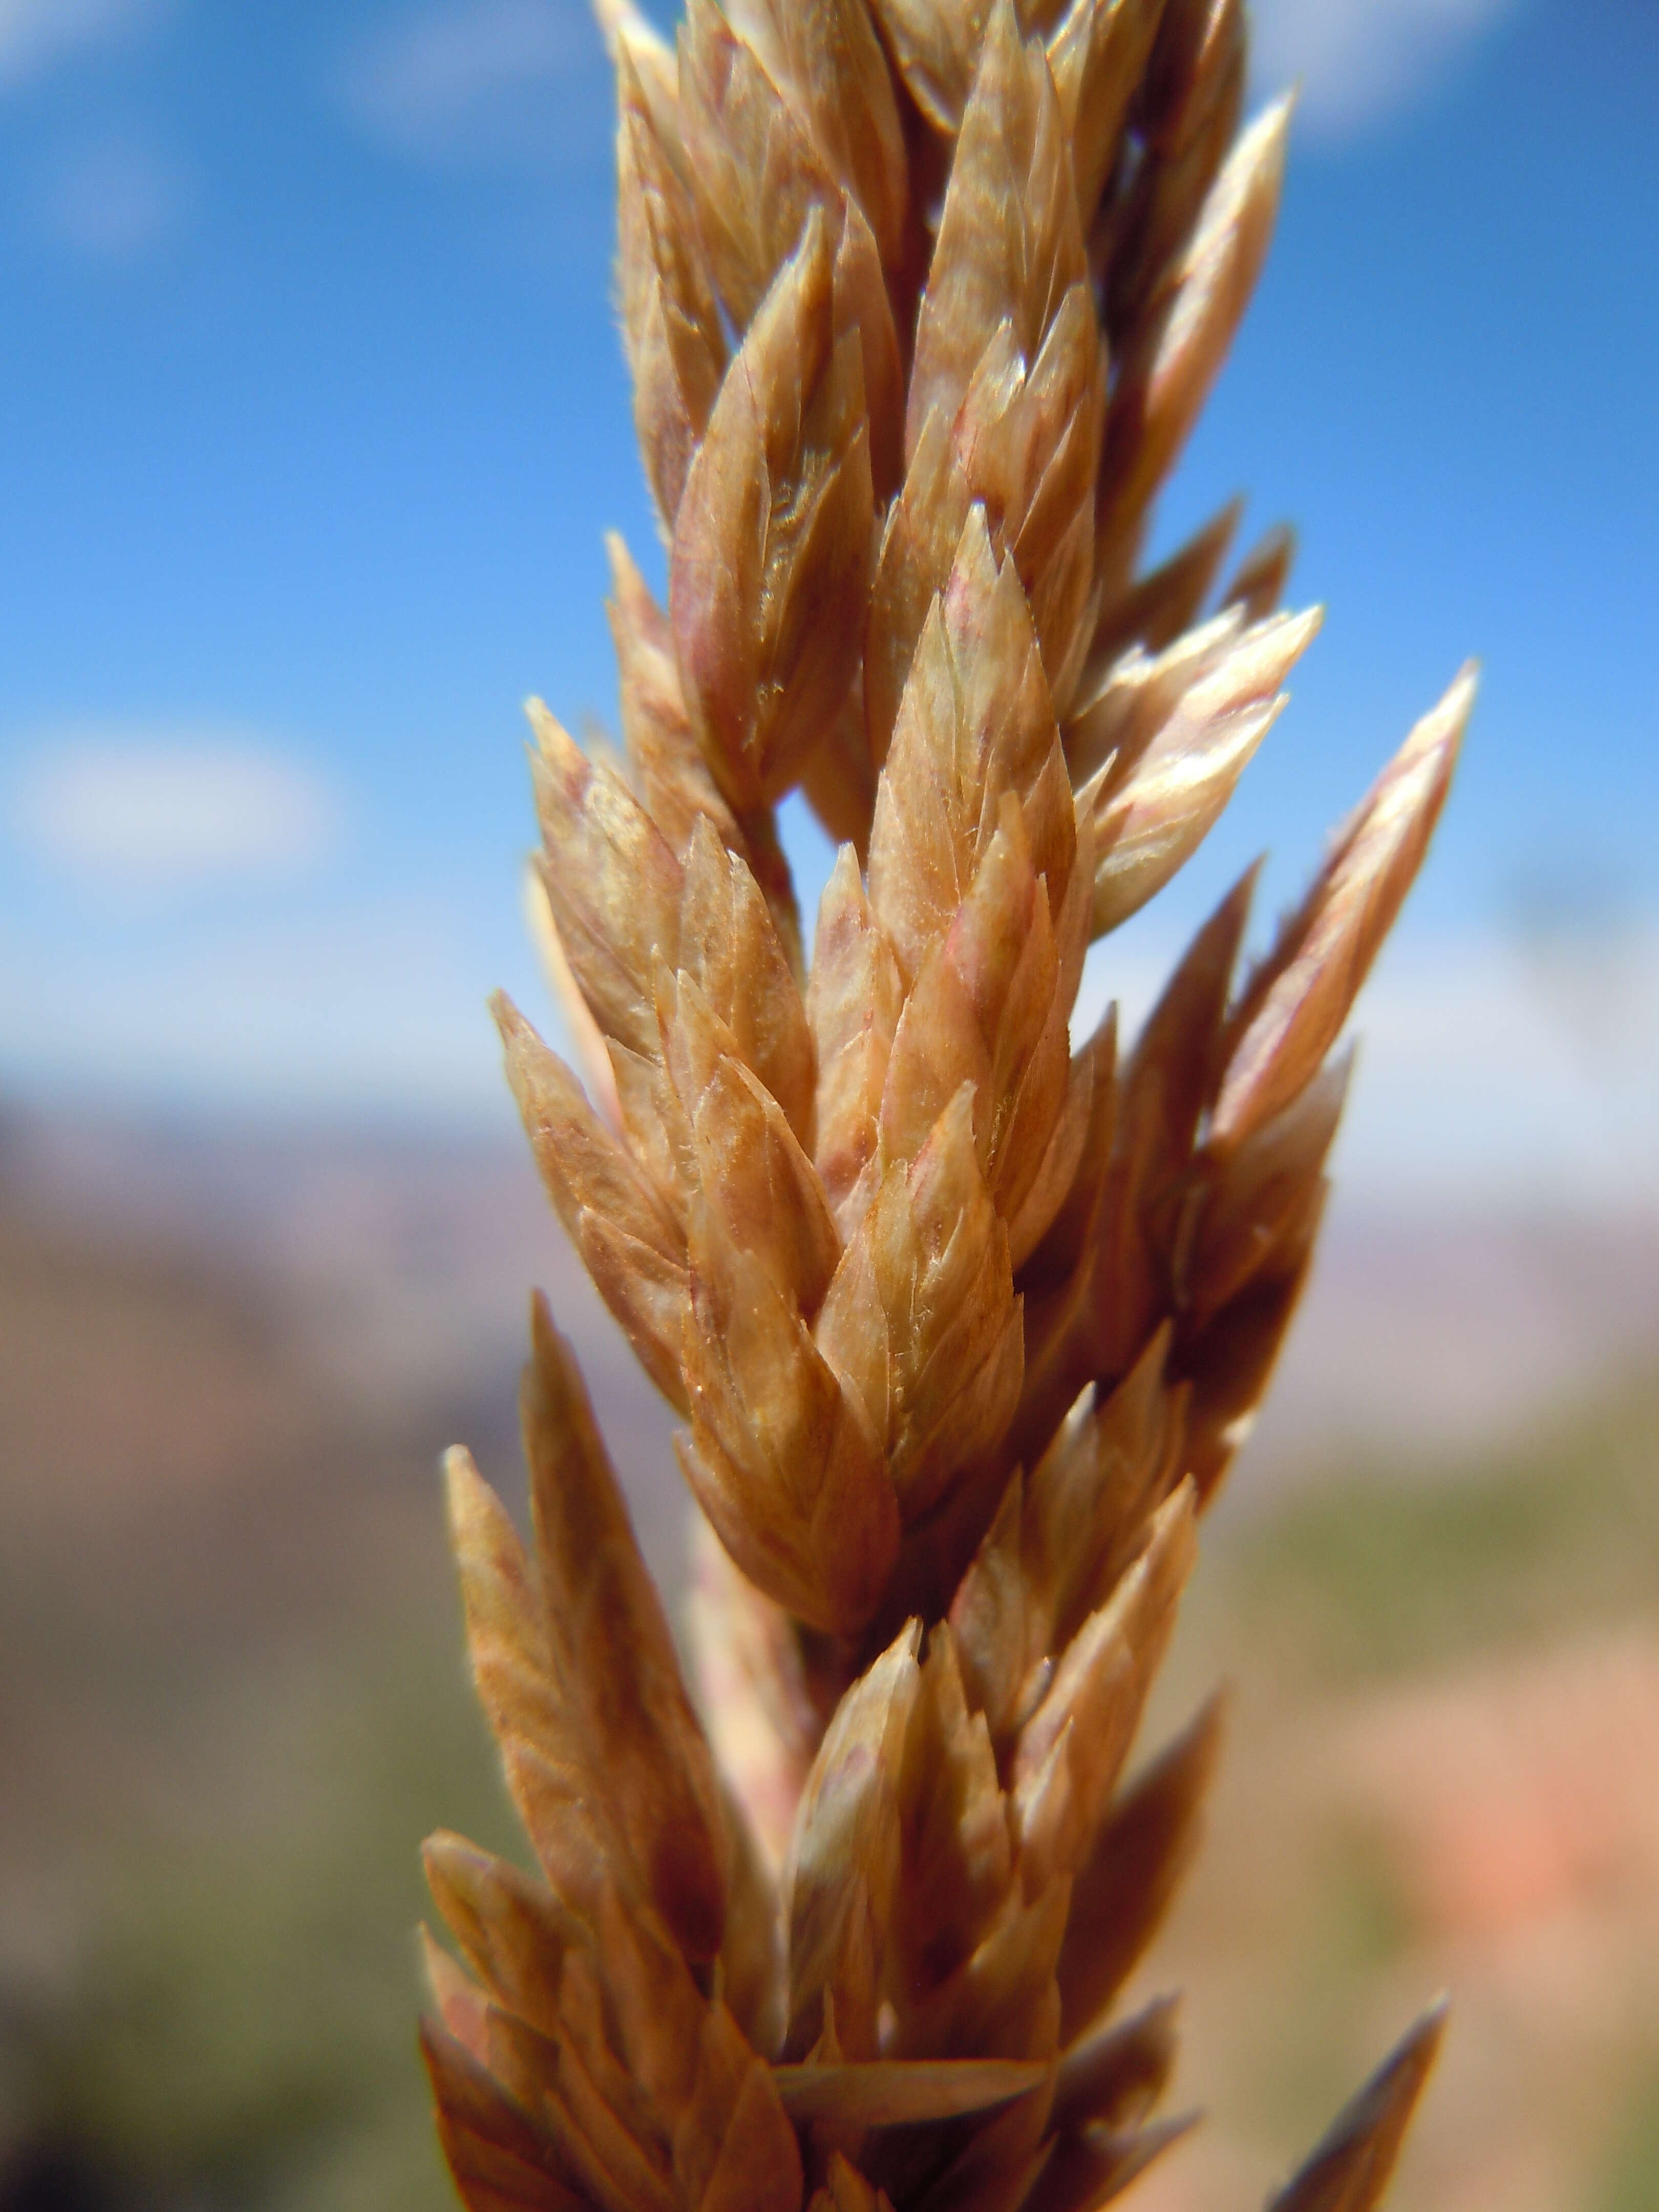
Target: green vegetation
x=1631, y=2181
x=1353, y=1924
x=1386, y=1573
x=238, y=2032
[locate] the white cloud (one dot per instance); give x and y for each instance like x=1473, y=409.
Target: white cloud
x=1359, y=62
x=115, y=200
x=34, y=34
x=471, y=77
x=1481, y=1077
x=1476, y=1086
x=154, y=815
x=358, y=1008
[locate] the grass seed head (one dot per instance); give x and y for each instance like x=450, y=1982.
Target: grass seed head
x=921, y=299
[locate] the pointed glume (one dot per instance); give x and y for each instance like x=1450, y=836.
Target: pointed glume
x=920, y=299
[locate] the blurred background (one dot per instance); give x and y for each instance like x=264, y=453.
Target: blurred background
x=312, y=413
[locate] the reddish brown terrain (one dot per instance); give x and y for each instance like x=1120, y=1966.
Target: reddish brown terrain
x=231, y=1695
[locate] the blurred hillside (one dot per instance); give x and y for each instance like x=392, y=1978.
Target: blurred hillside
x=231, y=1699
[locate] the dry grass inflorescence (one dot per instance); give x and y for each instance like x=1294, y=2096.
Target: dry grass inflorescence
x=921, y=299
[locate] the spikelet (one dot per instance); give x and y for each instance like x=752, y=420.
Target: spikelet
x=921, y=299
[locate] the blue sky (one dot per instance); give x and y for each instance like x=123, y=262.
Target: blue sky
x=312, y=414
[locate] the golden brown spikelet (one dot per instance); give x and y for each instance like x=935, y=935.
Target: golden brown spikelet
x=920, y=299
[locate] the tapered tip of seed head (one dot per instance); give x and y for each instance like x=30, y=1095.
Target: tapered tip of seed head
x=1442, y=729
x=1338, y=1072
x=462, y=1485
x=1399, y=2081
x=1303, y=629
x=553, y=1372
x=1282, y=112
x=630, y=93
x=609, y=17
x=1261, y=657
x=509, y=1021
x=626, y=580
x=1420, y=773
x=621, y=24
x=553, y=743
x=1237, y=903
x=1214, y=1715
x=1001, y=29
x=1260, y=154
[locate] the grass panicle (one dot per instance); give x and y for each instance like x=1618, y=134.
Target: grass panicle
x=921, y=299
